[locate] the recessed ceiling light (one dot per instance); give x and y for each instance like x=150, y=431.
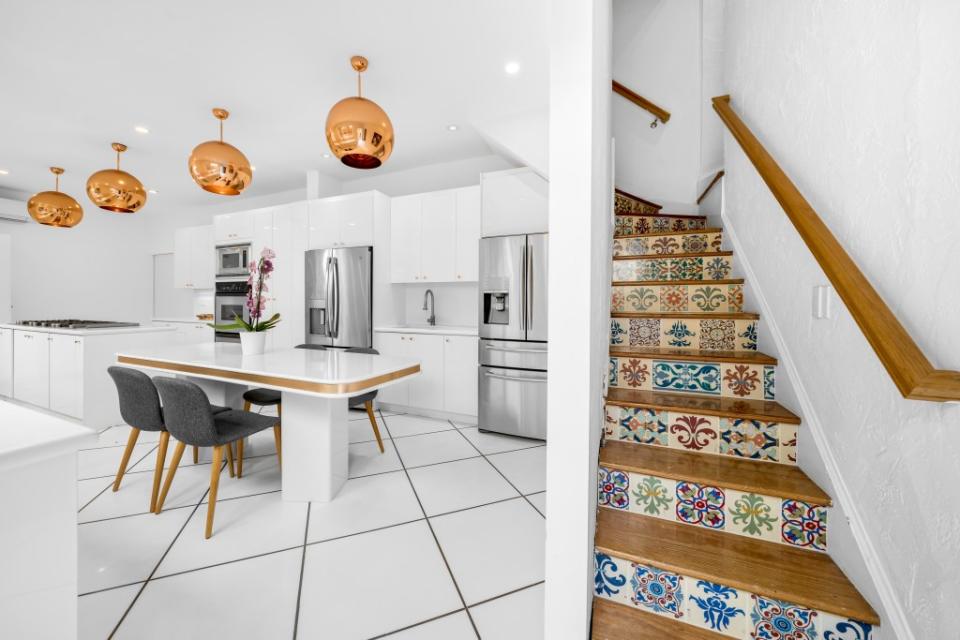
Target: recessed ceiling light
x=140, y=129
x=512, y=68
x=326, y=155
x=153, y=191
x=4, y=172
x=451, y=127
x=252, y=168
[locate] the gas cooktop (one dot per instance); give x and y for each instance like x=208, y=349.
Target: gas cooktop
x=76, y=324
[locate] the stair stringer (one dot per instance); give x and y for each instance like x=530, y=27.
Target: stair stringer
x=844, y=505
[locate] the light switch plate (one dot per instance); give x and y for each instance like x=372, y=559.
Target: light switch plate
x=823, y=302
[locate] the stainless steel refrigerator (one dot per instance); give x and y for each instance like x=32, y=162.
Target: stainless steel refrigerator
x=339, y=305
x=513, y=335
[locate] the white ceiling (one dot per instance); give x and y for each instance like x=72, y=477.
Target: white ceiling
x=76, y=76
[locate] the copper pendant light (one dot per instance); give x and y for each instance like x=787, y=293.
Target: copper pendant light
x=116, y=190
x=359, y=132
x=54, y=208
x=219, y=167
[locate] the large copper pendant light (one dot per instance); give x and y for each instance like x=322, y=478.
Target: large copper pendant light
x=219, y=167
x=359, y=132
x=116, y=190
x=54, y=208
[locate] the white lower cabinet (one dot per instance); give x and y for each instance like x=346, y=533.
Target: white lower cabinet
x=448, y=371
x=460, y=374
x=31, y=367
x=66, y=374
x=6, y=362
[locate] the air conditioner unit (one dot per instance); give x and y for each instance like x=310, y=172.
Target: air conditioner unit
x=13, y=210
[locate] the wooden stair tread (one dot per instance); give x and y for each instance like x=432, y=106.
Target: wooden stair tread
x=727, y=472
x=773, y=570
x=615, y=621
x=659, y=283
x=660, y=256
x=695, y=355
x=765, y=410
x=705, y=315
x=682, y=232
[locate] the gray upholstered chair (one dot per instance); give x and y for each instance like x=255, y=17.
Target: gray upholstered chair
x=365, y=400
x=139, y=408
x=190, y=421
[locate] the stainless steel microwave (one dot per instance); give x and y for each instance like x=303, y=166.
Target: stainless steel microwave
x=233, y=260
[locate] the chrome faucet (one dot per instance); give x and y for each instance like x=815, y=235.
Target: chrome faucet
x=432, y=318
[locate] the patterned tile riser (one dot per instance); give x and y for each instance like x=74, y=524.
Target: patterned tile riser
x=702, y=433
x=735, y=613
x=708, y=334
x=628, y=225
x=718, y=379
x=704, y=268
x=761, y=517
x=625, y=204
x=667, y=244
x=681, y=298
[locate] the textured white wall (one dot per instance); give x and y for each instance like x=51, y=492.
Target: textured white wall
x=858, y=101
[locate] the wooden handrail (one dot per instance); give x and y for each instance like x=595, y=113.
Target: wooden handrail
x=661, y=114
x=715, y=180
x=911, y=371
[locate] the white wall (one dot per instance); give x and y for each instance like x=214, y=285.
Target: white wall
x=430, y=177
x=100, y=269
x=522, y=137
x=657, y=53
x=6, y=279
x=581, y=225
x=858, y=102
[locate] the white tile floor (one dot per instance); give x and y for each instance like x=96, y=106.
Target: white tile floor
x=440, y=537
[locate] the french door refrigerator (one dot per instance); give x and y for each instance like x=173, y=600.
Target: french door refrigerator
x=513, y=335
x=339, y=307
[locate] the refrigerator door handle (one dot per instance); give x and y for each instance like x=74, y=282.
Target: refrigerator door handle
x=328, y=294
x=529, y=296
x=513, y=349
x=523, y=289
x=336, y=294
x=511, y=378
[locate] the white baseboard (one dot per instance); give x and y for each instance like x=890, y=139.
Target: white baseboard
x=429, y=413
x=881, y=579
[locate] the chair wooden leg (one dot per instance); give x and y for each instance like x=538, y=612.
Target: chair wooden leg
x=131, y=441
x=277, y=440
x=158, y=470
x=177, y=454
x=240, y=458
x=196, y=455
x=233, y=473
x=214, y=484
x=246, y=406
x=373, y=422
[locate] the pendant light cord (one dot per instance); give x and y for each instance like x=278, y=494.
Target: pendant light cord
x=221, y=130
x=359, y=84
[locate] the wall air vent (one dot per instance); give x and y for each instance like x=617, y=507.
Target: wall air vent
x=13, y=210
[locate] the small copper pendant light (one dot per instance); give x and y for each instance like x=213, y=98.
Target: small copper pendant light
x=219, y=167
x=359, y=132
x=116, y=190
x=54, y=208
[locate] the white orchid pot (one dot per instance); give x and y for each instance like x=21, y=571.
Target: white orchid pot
x=253, y=343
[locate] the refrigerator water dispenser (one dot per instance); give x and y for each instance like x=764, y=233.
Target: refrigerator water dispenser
x=495, y=307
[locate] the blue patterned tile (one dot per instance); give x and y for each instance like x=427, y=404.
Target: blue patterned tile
x=690, y=377
x=769, y=386
x=833, y=627
x=609, y=580
x=717, y=607
x=644, y=426
x=658, y=591
x=772, y=619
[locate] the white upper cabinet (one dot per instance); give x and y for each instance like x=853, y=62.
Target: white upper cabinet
x=434, y=236
x=514, y=202
x=468, y=235
x=405, y=238
x=438, y=236
x=233, y=228
x=194, y=259
x=342, y=221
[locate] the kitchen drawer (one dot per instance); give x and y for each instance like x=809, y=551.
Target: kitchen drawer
x=517, y=355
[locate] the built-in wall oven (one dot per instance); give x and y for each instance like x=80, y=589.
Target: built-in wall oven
x=233, y=260
x=229, y=302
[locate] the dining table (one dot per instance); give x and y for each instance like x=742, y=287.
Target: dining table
x=314, y=384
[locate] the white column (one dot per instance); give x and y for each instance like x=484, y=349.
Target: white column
x=580, y=239
x=315, y=447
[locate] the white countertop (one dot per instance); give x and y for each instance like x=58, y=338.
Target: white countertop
x=440, y=330
x=107, y=331
x=182, y=320
x=329, y=373
x=28, y=435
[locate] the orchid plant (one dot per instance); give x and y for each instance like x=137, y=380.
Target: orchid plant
x=260, y=271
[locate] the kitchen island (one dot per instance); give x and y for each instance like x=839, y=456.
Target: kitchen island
x=315, y=386
x=38, y=537
x=65, y=370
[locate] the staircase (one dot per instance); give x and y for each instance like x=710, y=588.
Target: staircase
x=707, y=528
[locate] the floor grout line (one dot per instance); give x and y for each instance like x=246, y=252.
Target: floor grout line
x=185, y=506
x=303, y=565
x=417, y=624
x=502, y=474
x=434, y=534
